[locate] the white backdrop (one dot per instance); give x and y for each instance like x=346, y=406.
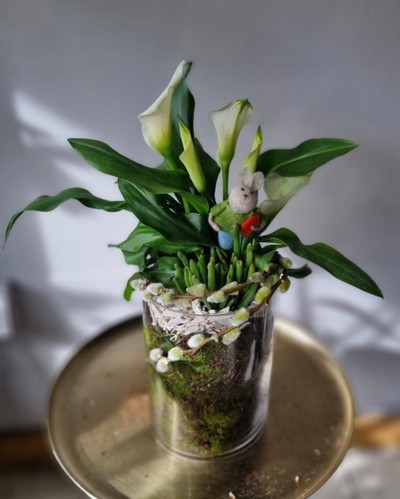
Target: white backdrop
x=86, y=69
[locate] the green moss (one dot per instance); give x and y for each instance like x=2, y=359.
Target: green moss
x=205, y=404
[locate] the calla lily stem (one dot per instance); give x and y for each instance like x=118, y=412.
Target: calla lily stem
x=225, y=179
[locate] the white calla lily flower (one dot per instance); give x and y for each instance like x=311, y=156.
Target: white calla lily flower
x=279, y=191
x=156, y=120
x=190, y=159
x=250, y=161
x=228, y=123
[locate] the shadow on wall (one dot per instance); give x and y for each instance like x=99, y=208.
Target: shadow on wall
x=369, y=350
x=37, y=313
x=362, y=334
x=39, y=263
x=30, y=167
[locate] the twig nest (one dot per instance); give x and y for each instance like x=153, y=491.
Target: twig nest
x=185, y=319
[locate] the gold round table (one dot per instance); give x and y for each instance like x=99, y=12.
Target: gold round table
x=99, y=426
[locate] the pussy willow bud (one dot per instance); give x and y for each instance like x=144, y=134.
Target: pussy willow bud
x=165, y=298
x=217, y=297
x=162, y=365
x=155, y=354
x=262, y=294
x=285, y=285
x=154, y=288
x=175, y=354
x=269, y=281
x=286, y=263
x=227, y=289
x=257, y=277
x=240, y=316
x=195, y=341
x=230, y=337
x=198, y=290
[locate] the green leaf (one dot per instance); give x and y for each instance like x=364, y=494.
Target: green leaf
x=199, y=203
x=163, y=271
x=299, y=273
x=179, y=228
x=170, y=203
x=129, y=290
x=143, y=236
x=303, y=159
x=326, y=257
x=106, y=160
x=262, y=260
x=211, y=170
x=49, y=203
x=138, y=258
x=182, y=108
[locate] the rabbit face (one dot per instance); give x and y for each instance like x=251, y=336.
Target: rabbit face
x=243, y=199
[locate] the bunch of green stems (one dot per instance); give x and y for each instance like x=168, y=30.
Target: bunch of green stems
x=239, y=273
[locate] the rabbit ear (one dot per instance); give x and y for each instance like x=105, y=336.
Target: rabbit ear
x=247, y=178
x=257, y=181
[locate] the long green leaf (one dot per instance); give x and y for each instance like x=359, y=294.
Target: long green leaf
x=143, y=236
x=170, y=203
x=138, y=258
x=326, y=257
x=183, y=229
x=107, y=160
x=49, y=203
x=299, y=273
x=199, y=203
x=129, y=290
x=303, y=159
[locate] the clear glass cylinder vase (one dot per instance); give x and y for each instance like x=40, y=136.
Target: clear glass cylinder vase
x=211, y=399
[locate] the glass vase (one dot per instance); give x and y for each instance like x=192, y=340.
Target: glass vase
x=213, y=400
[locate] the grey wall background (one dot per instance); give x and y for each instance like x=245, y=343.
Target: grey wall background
x=87, y=68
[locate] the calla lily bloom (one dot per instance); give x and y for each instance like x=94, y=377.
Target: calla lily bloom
x=156, y=120
x=279, y=191
x=250, y=161
x=228, y=123
x=190, y=160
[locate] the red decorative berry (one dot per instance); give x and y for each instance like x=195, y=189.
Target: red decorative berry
x=249, y=226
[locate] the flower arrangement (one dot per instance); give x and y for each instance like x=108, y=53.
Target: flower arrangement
x=204, y=254
x=179, y=241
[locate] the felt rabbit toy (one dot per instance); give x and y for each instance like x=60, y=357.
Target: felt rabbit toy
x=240, y=209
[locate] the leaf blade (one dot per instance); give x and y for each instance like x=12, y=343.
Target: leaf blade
x=328, y=258
x=180, y=228
x=182, y=108
x=47, y=203
x=162, y=271
x=304, y=158
x=106, y=160
x=143, y=236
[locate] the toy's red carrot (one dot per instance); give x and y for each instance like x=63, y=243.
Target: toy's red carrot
x=248, y=227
